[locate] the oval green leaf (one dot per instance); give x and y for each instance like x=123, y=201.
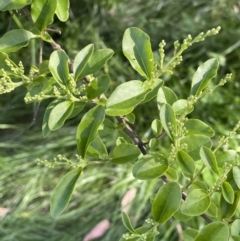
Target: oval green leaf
x=166, y=202
x=194, y=143
x=127, y=223
x=63, y=191
x=195, y=126
x=97, y=148
x=150, y=166
x=14, y=40
x=171, y=174
x=236, y=176
x=196, y=203
x=228, y=192
x=186, y=163
x=98, y=86
x=60, y=114
x=125, y=97
x=156, y=127
x=203, y=75
x=96, y=62
x=42, y=12
x=137, y=49
x=58, y=66
x=216, y=231
x=168, y=120
x=81, y=60
x=208, y=158
x=181, y=107
x=125, y=152
x=228, y=156
x=165, y=95
x=189, y=234
x=13, y=4
x=62, y=10
x=88, y=128
x=235, y=227
x=78, y=106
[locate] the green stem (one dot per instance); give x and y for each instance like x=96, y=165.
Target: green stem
x=199, y=172
x=16, y=20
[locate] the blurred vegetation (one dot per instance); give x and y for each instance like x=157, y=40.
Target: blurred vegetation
x=25, y=187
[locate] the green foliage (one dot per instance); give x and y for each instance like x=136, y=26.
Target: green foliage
x=192, y=147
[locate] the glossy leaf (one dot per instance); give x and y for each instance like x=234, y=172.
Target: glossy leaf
x=42, y=12
x=168, y=120
x=165, y=95
x=45, y=128
x=58, y=66
x=208, y=158
x=137, y=49
x=162, y=208
x=189, y=234
x=194, y=143
x=150, y=166
x=236, y=176
x=235, y=227
x=156, y=127
x=203, y=76
x=62, y=10
x=88, y=128
x=181, y=107
x=130, y=118
x=13, y=4
x=127, y=223
x=10, y=43
x=197, y=184
x=186, y=163
x=228, y=156
x=196, y=203
x=125, y=152
x=212, y=210
x=215, y=231
x=180, y=216
x=195, y=126
x=60, y=114
x=63, y=191
x=96, y=62
x=125, y=97
x=227, y=192
x=81, y=60
x=171, y=174
x=77, y=108
x=98, y=86
x=154, y=144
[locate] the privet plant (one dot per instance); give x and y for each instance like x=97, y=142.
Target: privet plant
x=185, y=191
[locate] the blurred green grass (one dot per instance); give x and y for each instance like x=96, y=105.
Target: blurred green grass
x=25, y=187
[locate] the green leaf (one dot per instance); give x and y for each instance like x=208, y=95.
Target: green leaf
x=199, y=185
x=228, y=156
x=171, y=174
x=127, y=223
x=227, y=209
x=162, y=207
x=165, y=95
x=236, y=176
x=189, y=234
x=154, y=144
x=63, y=192
x=97, y=148
x=168, y=119
x=235, y=227
x=45, y=127
x=42, y=12
x=216, y=231
x=98, y=86
x=125, y=97
x=208, y=158
x=196, y=203
x=186, y=163
x=125, y=153
x=137, y=49
x=194, y=143
x=228, y=192
x=58, y=66
x=13, y=4
x=60, y=114
x=62, y=10
x=130, y=118
x=203, y=76
x=195, y=126
x=181, y=107
x=212, y=210
x=78, y=107
x=15, y=39
x=180, y=216
x=235, y=238
x=88, y=128
x=150, y=166
x=96, y=62
x=156, y=127
x=81, y=60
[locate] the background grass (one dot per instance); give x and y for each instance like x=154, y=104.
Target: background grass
x=25, y=187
